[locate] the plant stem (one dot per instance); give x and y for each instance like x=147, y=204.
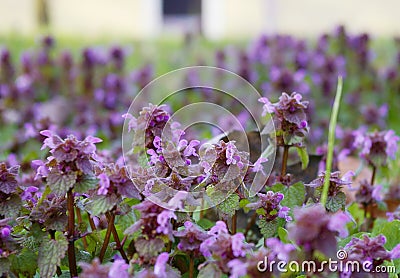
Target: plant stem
x=107, y=238
x=119, y=246
x=191, y=266
x=79, y=216
x=71, y=234
x=234, y=223
x=91, y=222
x=250, y=224
x=331, y=141
x=284, y=159
x=373, y=174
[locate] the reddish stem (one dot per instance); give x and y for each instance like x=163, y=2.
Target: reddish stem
x=71, y=233
x=107, y=238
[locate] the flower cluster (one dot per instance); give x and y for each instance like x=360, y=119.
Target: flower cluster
x=190, y=238
x=118, y=269
x=153, y=225
x=70, y=162
x=368, y=194
x=222, y=247
x=289, y=115
x=336, y=196
x=270, y=206
x=7, y=243
x=377, y=147
x=312, y=224
x=367, y=249
x=275, y=251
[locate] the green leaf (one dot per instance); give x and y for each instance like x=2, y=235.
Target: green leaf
x=86, y=183
x=11, y=206
x=270, y=228
x=101, y=204
x=61, y=183
x=25, y=263
x=283, y=235
x=210, y=270
x=294, y=194
x=391, y=230
x=243, y=203
x=50, y=254
x=302, y=153
x=335, y=203
x=331, y=140
x=4, y=265
x=230, y=204
x=205, y=223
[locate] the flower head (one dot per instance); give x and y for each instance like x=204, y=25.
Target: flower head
x=377, y=147
x=289, y=117
x=315, y=229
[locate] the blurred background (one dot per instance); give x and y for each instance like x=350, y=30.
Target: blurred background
x=215, y=19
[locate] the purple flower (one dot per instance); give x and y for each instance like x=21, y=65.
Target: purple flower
x=280, y=250
x=218, y=228
x=284, y=213
x=237, y=245
x=104, y=183
x=270, y=203
x=5, y=231
x=119, y=269
x=257, y=167
x=29, y=193
x=368, y=194
x=289, y=117
x=177, y=202
x=377, y=147
x=315, y=229
x=190, y=237
x=370, y=249
x=190, y=150
x=159, y=267
x=163, y=220
x=238, y=268
x=223, y=247
x=395, y=215
x=231, y=155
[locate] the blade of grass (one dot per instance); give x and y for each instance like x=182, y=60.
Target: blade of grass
x=331, y=140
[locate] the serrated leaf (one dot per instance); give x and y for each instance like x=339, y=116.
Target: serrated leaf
x=101, y=204
x=335, y=203
x=294, y=195
x=149, y=248
x=50, y=254
x=85, y=183
x=230, y=204
x=302, y=152
x=210, y=270
x=25, y=263
x=61, y=183
x=391, y=230
x=4, y=265
x=11, y=206
x=270, y=228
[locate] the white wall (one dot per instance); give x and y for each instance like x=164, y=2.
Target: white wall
x=221, y=18
x=17, y=16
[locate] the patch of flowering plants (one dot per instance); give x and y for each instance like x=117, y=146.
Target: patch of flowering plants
x=72, y=205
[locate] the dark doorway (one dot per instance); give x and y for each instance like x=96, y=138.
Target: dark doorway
x=182, y=16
